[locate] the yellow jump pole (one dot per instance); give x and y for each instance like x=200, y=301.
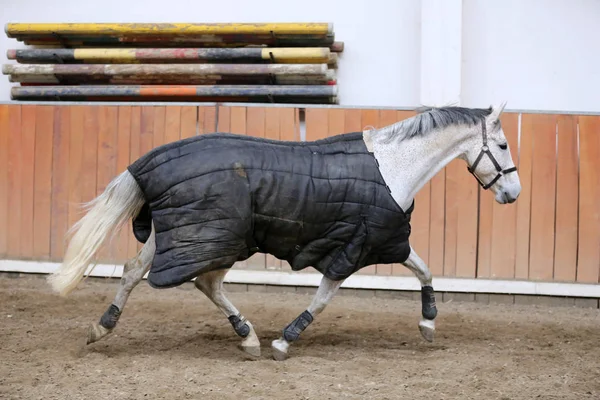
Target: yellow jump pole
x=14, y=30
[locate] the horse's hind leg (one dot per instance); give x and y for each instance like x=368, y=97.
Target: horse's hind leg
x=133, y=272
x=211, y=284
x=291, y=333
x=428, y=307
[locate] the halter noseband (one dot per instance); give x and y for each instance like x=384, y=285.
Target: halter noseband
x=486, y=150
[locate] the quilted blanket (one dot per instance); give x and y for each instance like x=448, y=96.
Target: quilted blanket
x=219, y=198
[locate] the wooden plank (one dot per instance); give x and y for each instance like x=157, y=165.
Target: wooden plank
x=453, y=170
x=60, y=181
x=404, y=114
x=172, y=123
x=15, y=171
x=28, y=124
x=466, y=229
x=134, y=154
x=504, y=228
x=146, y=129
x=437, y=223
x=189, y=118
x=369, y=119
x=224, y=119
x=543, y=194
x=272, y=123
x=159, y=126
x=89, y=170
x=201, y=120
x=387, y=118
x=335, y=120
x=289, y=124
x=107, y=163
x=44, y=132
x=352, y=120
x=317, y=123
x=588, y=261
x=524, y=201
x=567, y=195
x=123, y=161
x=484, y=233
x=77, y=128
x=4, y=154
x=209, y=120
x=238, y=120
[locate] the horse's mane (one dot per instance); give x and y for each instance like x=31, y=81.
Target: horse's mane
x=429, y=119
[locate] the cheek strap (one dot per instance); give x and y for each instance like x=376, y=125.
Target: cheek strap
x=485, y=150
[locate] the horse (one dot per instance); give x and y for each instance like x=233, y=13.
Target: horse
x=337, y=204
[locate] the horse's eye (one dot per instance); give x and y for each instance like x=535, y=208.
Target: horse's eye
x=503, y=146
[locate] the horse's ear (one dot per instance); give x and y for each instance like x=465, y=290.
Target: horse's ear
x=497, y=111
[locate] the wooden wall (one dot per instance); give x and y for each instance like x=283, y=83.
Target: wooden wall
x=52, y=158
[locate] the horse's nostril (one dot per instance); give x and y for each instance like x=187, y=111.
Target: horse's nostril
x=509, y=198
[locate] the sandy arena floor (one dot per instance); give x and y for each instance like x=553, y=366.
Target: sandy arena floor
x=175, y=344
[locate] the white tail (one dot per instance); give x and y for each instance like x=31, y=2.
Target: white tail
x=121, y=200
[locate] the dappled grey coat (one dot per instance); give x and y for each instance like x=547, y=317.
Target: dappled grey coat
x=219, y=198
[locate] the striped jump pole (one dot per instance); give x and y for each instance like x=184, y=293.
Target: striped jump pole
x=166, y=91
x=189, y=41
x=164, y=69
x=298, y=55
x=328, y=79
x=21, y=30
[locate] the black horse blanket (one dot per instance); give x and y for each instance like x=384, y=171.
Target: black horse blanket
x=219, y=198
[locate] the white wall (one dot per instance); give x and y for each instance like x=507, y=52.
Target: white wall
x=535, y=54
x=379, y=65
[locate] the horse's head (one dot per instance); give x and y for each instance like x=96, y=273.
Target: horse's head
x=489, y=160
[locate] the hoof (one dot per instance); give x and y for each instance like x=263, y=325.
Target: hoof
x=427, y=328
x=280, y=349
x=252, y=352
x=96, y=332
x=279, y=355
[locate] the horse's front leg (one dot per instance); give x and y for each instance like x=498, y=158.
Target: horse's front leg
x=428, y=307
x=133, y=272
x=291, y=333
x=211, y=284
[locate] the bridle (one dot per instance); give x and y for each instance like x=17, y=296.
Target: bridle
x=486, y=150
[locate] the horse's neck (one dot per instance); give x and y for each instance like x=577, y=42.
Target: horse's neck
x=408, y=165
